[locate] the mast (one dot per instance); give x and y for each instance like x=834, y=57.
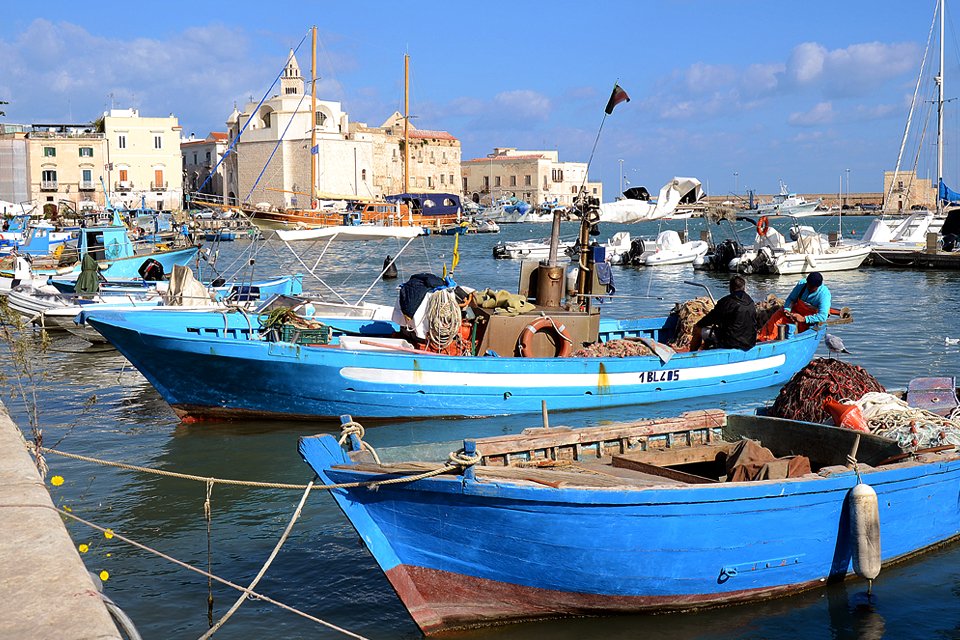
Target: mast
x=940, y=115
x=406, y=123
x=313, y=122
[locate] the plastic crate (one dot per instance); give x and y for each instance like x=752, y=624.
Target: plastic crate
x=300, y=335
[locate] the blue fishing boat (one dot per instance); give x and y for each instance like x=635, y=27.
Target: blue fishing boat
x=475, y=354
x=658, y=515
x=211, y=365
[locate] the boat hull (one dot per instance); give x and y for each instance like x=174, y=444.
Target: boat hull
x=462, y=552
x=209, y=367
x=796, y=263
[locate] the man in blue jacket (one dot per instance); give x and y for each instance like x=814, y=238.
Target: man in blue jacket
x=815, y=298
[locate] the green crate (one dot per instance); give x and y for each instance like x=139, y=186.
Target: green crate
x=299, y=335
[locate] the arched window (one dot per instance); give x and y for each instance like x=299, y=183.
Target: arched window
x=321, y=118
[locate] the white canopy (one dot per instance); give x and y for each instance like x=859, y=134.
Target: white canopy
x=627, y=211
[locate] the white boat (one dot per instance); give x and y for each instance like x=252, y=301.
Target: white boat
x=903, y=233
x=670, y=249
x=811, y=251
x=617, y=248
x=510, y=211
x=634, y=207
x=789, y=204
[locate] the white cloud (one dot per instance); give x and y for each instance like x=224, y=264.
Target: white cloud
x=821, y=113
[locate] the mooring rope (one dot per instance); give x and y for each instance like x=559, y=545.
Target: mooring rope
x=444, y=315
x=247, y=592
x=263, y=570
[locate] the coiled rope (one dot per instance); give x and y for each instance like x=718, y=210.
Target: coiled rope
x=444, y=315
x=912, y=428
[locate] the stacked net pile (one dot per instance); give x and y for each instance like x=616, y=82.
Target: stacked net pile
x=824, y=378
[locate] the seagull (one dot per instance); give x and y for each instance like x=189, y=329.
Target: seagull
x=951, y=341
x=834, y=344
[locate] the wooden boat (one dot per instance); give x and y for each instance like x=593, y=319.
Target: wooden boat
x=635, y=517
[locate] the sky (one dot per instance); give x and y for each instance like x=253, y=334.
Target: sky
x=740, y=94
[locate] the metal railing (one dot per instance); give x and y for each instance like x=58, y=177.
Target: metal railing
x=123, y=185
x=87, y=185
x=159, y=186
x=48, y=185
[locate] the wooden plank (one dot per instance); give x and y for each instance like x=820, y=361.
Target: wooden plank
x=681, y=455
x=652, y=469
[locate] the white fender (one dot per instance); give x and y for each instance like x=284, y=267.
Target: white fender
x=865, y=531
x=811, y=261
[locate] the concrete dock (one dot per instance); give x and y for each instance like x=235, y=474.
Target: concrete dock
x=45, y=589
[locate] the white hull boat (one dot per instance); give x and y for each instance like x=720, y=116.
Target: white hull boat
x=811, y=251
x=903, y=234
x=630, y=210
x=671, y=250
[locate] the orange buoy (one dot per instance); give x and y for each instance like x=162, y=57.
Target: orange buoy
x=763, y=224
x=847, y=416
x=544, y=323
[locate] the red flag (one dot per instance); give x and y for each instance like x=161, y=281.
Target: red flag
x=616, y=97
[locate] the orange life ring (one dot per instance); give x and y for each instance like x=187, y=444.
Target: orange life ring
x=544, y=323
x=763, y=224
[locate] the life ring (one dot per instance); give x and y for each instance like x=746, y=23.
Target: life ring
x=763, y=225
x=544, y=323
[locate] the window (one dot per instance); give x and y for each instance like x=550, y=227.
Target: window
x=496, y=181
x=158, y=142
x=526, y=180
x=513, y=181
x=290, y=90
x=451, y=178
x=87, y=175
x=486, y=182
x=121, y=142
x=123, y=175
x=321, y=118
x=158, y=178
x=48, y=175
x=363, y=175
x=266, y=119
x=442, y=179
x=86, y=152
x=208, y=156
x=50, y=152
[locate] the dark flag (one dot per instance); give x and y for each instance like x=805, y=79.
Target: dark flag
x=616, y=97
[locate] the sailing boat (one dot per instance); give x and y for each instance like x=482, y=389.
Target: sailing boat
x=909, y=234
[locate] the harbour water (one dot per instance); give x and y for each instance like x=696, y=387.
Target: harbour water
x=91, y=403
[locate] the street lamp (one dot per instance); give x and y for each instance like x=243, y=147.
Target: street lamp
x=848, y=186
x=736, y=182
x=621, y=174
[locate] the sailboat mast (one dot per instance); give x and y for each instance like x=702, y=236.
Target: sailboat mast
x=314, y=152
x=940, y=114
x=406, y=123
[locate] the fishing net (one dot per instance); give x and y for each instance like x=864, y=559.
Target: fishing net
x=614, y=349
x=766, y=309
x=912, y=428
x=824, y=378
x=688, y=314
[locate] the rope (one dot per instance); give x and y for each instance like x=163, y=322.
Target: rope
x=206, y=515
x=803, y=397
x=444, y=315
x=263, y=570
x=180, y=563
x=912, y=428
x=354, y=428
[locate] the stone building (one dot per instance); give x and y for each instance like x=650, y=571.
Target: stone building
x=434, y=158
x=532, y=176
x=903, y=190
x=201, y=160
x=14, y=188
x=272, y=159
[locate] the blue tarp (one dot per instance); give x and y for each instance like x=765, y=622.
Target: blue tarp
x=948, y=195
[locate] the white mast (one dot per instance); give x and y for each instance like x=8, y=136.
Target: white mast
x=940, y=114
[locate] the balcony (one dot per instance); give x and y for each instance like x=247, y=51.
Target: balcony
x=123, y=185
x=48, y=185
x=159, y=186
x=87, y=185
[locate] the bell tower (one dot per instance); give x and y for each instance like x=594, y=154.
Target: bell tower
x=291, y=83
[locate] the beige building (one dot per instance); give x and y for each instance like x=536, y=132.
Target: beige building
x=434, y=158
x=65, y=163
x=272, y=159
x=201, y=160
x=532, y=176
x=904, y=190
x=143, y=159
